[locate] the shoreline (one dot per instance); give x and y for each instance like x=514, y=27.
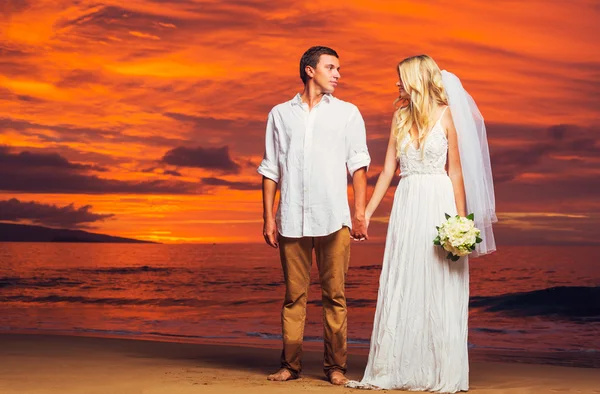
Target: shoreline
x=54, y=364
x=570, y=359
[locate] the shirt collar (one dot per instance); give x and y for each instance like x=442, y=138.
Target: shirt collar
x=297, y=100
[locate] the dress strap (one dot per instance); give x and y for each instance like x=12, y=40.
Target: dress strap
x=442, y=115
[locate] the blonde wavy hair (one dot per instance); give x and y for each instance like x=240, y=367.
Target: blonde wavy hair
x=422, y=80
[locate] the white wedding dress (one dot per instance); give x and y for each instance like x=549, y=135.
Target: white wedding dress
x=419, y=339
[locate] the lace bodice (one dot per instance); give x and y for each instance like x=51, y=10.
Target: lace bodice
x=432, y=160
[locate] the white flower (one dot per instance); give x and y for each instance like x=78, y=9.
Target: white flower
x=458, y=235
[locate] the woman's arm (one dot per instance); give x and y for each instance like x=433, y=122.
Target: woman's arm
x=454, y=166
x=385, y=178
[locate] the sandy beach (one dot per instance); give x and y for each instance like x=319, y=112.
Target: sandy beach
x=39, y=364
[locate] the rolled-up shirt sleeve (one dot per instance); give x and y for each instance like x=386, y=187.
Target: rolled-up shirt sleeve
x=357, y=154
x=269, y=167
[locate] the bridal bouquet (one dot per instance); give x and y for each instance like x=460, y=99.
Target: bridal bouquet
x=458, y=236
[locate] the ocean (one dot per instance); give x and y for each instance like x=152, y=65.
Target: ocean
x=528, y=304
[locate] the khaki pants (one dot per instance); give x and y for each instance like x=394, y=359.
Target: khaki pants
x=333, y=256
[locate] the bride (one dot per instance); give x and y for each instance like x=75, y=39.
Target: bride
x=438, y=139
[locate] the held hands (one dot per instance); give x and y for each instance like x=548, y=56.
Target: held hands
x=270, y=233
x=360, y=224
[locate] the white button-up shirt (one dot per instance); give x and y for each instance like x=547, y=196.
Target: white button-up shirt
x=307, y=153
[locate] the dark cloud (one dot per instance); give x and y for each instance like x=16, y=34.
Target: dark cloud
x=10, y=7
x=68, y=216
x=537, y=146
x=201, y=126
x=10, y=51
x=17, y=68
x=75, y=133
x=203, y=122
x=207, y=158
x=97, y=22
x=571, y=194
x=8, y=95
x=157, y=170
x=560, y=162
x=224, y=22
x=172, y=172
x=231, y=184
x=77, y=78
x=539, y=230
x=69, y=133
x=243, y=136
x=68, y=183
x=29, y=99
x=52, y=173
x=17, y=61
x=558, y=132
x=27, y=159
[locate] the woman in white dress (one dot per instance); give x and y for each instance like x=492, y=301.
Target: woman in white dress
x=419, y=339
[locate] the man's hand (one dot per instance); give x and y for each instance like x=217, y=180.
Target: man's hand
x=270, y=232
x=269, y=189
x=359, y=227
x=359, y=223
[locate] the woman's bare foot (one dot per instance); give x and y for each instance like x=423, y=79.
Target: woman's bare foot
x=338, y=378
x=281, y=376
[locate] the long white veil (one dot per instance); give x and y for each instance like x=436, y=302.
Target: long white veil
x=475, y=161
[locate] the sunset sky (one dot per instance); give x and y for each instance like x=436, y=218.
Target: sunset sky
x=146, y=118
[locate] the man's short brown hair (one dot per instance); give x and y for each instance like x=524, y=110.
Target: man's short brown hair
x=311, y=58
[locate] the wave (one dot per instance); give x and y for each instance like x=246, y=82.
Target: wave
x=121, y=333
x=161, y=302
x=61, y=281
x=576, y=303
x=127, y=270
x=107, y=300
x=17, y=282
x=487, y=330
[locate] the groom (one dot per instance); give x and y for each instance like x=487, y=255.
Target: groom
x=311, y=142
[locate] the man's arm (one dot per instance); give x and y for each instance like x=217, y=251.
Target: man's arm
x=269, y=169
x=269, y=189
x=359, y=223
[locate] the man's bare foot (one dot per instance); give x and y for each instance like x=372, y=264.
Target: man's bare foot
x=338, y=378
x=281, y=376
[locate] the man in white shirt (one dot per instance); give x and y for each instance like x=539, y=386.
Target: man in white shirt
x=311, y=143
